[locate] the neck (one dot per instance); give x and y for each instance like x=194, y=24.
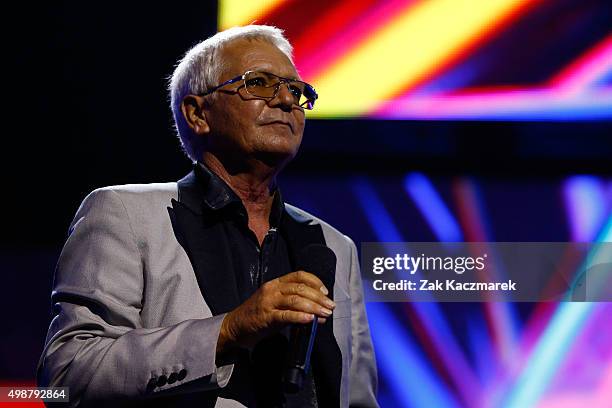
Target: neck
x=253, y=185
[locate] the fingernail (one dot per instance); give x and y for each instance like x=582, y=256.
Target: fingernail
x=330, y=304
x=325, y=311
x=324, y=290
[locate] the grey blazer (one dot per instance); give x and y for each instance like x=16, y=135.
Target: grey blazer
x=133, y=323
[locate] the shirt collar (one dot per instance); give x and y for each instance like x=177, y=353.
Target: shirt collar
x=218, y=195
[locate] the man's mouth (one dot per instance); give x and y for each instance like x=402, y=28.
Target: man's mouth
x=280, y=122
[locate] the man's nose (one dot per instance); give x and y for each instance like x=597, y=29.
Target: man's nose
x=284, y=99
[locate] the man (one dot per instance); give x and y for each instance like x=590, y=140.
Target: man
x=182, y=294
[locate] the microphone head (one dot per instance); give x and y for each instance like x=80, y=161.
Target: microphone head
x=319, y=260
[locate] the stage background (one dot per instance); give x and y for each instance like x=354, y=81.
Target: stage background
x=438, y=121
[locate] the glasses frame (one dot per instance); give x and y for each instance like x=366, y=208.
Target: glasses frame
x=276, y=88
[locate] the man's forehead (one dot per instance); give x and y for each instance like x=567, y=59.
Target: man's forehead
x=254, y=54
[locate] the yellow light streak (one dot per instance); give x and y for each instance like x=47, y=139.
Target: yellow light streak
x=404, y=52
x=242, y=12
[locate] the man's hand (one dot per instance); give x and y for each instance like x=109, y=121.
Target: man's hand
x=297, y=297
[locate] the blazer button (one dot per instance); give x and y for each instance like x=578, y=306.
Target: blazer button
x=172, y=378
x=162, y=380
x=182, y=374
x=151, y=384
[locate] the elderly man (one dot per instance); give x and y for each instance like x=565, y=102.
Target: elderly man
x=182, y=294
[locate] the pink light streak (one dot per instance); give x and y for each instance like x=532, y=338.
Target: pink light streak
x=567, y=91
x=585, y=380
x=588, y=205
x=444, y=351
x=471, y=218
x=336, y=20
x=334, y=48
x=491, y=104
x=584, y=71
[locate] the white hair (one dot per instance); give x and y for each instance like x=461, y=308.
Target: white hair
x=200, y=69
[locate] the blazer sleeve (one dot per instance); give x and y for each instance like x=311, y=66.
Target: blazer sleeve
x=363, y=375
x=96, y=344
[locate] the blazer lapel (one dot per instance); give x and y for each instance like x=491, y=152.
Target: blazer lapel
x=200, y=236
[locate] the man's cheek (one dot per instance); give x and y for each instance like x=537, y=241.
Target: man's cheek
x=299, y=128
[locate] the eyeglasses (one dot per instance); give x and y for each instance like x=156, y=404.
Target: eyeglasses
x=266, y=85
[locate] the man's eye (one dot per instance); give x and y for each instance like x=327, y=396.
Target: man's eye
x=252, y=82
x=296, y=91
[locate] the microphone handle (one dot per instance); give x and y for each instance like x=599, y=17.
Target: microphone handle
x=301, y=342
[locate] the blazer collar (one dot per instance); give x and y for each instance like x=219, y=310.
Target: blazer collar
x=201, y=189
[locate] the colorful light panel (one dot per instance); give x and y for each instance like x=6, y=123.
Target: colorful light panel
x=375, y=59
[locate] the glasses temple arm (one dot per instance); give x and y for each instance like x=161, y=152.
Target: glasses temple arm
x=229, y=81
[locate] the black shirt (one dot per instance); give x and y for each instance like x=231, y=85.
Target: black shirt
x=252, y=264
x=256, y=379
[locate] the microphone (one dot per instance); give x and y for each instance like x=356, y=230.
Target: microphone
x=320, y=261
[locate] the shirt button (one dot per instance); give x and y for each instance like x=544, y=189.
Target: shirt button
x=172, y=378
x=182, y=374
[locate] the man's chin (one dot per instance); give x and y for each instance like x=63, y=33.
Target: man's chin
x=276, y=158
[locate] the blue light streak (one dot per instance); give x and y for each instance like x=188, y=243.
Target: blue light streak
x=432, y=206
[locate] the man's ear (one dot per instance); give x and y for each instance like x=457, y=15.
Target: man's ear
x=193, y=112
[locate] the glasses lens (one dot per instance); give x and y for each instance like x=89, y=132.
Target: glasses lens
x=260, y=84
x=265, y=85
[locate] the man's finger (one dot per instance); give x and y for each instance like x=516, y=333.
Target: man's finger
x=303, y=290
x=301, y=304
x=291, y=316
x=305, y=277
